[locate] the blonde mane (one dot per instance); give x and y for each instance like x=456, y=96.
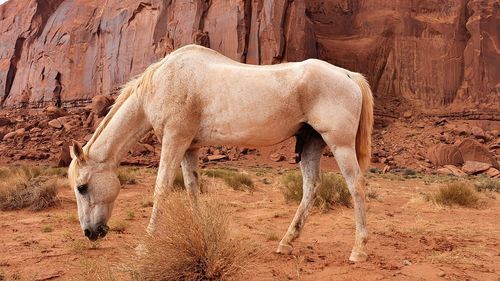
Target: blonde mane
x=138, y=84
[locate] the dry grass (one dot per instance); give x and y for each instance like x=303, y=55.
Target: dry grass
x=130, y=214
x=488, y=185
x=97, y=269
x=29, y=187
x=118, y=226
x=127, y=176
x=47, y=229
x=179, y=181
x=191, y=243
x=80, y=245
x=332, y=190
x=234, y=179
x=457, y=193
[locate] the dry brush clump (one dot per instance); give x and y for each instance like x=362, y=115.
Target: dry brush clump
x=191, y=243
x=456, y=193
x=234, y=179
x=488, y=185
x=127, y=176
x=29, y=187
x=332, y=190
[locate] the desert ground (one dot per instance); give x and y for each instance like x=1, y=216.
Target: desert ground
x=410, y=238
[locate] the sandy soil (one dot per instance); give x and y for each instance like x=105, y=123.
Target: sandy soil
x=410, y=239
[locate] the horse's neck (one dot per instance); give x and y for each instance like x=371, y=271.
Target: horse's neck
x=123, y=130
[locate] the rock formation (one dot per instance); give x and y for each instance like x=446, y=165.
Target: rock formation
x=438, y=56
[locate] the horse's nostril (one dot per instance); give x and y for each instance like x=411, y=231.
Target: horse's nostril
x=102, y=230
x=87, y=233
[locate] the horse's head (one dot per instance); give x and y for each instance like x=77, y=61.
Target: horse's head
x=96, y=187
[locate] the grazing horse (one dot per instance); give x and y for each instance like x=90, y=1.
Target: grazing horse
x=196, y=97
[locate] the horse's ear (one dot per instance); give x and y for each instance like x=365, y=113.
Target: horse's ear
x=76, y=151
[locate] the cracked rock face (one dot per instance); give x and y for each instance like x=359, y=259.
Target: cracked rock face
x=440, y=56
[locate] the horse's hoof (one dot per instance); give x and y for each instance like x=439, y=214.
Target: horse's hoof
x=358, y=257
x=284, y=249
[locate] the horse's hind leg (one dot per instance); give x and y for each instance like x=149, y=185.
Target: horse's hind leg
x=190, y=173
x=309, y=165
x=345, y=155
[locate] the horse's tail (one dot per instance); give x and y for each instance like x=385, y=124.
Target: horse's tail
x=365, y=127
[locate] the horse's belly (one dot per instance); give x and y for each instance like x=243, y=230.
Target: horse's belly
x=254, y=135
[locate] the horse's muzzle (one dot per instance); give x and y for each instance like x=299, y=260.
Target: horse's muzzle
x=101, y=231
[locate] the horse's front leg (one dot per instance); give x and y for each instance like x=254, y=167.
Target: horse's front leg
x=172, y=152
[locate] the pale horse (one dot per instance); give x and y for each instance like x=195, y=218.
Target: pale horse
x=197, y=97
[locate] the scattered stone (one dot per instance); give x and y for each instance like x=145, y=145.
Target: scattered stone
x=69, y=122
x=266, y=181
x=277, y=157
x=386, y=169
x=495, y=145
x=20, y=132
x=55, y=123
x=444, y=172
x=4, y=121
x=9, y=135
x=54, y=112
x=407, y=262
x=101, y=105
x=216, y=157
x=140, y=149
x=89, y=121
x=455, y=170
x=474, y=167
x=492, y=172
x=440, y=122
x=407, y=114
x=149, y=147
x=478, y=133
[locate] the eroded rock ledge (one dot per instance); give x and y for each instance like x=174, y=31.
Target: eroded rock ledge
x=428, y=55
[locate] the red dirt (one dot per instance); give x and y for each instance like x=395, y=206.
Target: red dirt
x=410, y=239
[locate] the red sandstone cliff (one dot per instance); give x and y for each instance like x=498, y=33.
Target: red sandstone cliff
x=440, y=56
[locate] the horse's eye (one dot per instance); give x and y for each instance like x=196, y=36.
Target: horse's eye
x=82, y=188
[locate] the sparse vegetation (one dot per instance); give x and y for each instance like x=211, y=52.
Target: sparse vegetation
x=488, y=185
x=332, y=190
x=372, y=194
x=457, y=193
x=179, y=181
x=47, y=229
x=272, y=237
x=191, y=243
x=127, y=176
x=408, y=173
x=81, y=244
x=234, y=179
x=97, y=269
x=118, y=226
x=147, y=203
x=130, y=214
x=29, y=187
